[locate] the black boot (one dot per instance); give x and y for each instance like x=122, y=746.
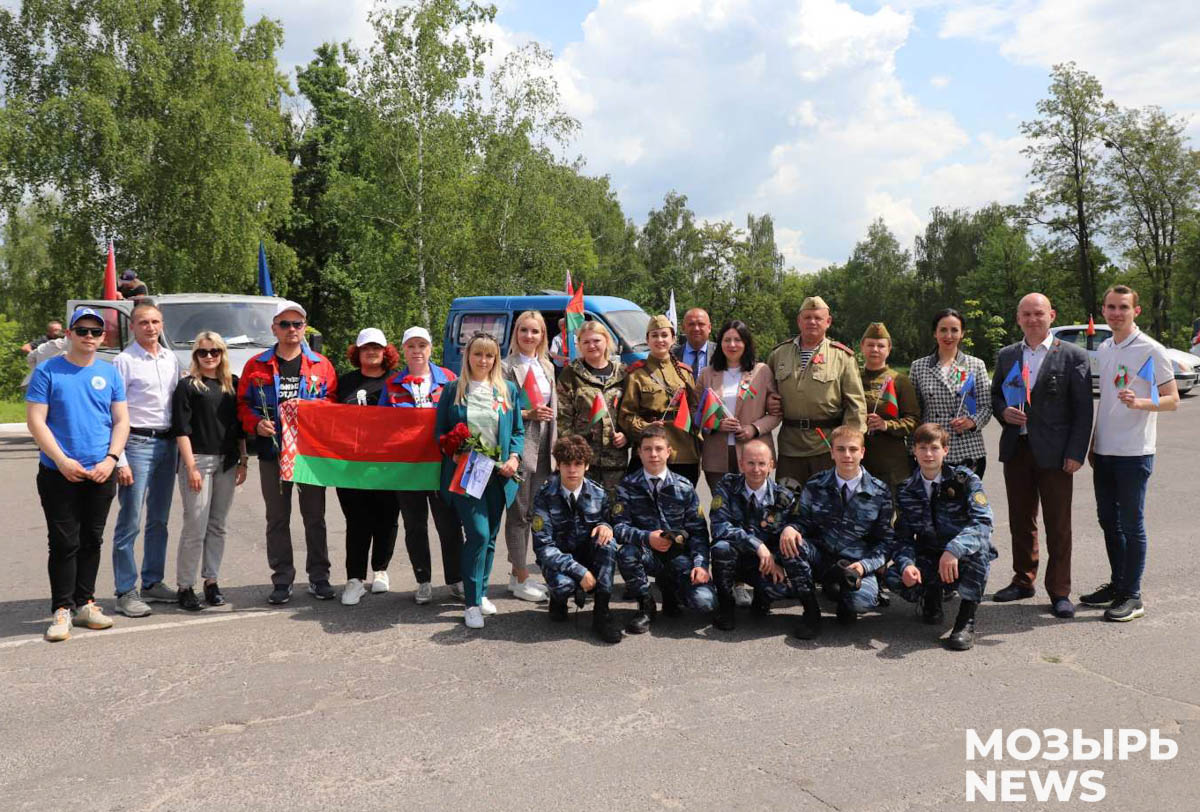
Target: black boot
x=558, y=609
x=604, y=625
x=670, y=602
x=724, y=618
x=845, y=615
x=962, y=636
x=809, y=626
x=931, y=604
x=761, y=605
x=643, y=617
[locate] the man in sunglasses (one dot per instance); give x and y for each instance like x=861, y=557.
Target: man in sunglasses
x=146, y=472
x=75, y=409
x=288, y=370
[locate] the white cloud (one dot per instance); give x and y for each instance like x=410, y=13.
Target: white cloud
x=940, y=82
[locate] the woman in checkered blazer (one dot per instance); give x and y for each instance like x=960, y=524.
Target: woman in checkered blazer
x=954, y=391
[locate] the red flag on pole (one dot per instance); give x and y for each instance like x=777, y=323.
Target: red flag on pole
x=532, y=392
x=1025, y=378
x=110, y=276
x=888, y=399
x=1091, y=330
x=570, y=290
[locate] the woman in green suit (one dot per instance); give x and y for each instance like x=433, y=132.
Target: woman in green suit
x=487, y=404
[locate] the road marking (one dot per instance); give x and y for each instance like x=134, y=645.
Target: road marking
x=174, y=624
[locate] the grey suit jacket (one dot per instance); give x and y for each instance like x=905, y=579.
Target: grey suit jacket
x=1060, y=407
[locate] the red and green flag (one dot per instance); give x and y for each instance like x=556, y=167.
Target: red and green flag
x=533, y=392
x=574, y=319
x=888, y=402
x=599, y=410
x=683, y=417
x=746, y=391
x=339, y=445
x=710, y=411
x=824, y=439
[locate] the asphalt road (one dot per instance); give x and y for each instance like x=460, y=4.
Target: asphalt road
x=389, y=705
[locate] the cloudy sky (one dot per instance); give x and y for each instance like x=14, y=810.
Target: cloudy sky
x=824, y=113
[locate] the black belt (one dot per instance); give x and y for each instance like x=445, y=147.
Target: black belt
x=157, y=434
x=806, y=423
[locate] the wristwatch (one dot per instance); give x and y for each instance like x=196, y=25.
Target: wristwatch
x=114, y=456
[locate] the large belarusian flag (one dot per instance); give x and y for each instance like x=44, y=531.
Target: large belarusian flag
x=367, y=447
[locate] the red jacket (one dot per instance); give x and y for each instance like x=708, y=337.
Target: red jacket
x=398, y=393
x=258, y=392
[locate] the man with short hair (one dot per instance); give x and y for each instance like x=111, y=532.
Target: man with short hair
x=146, y=472
x=287, y=371
x=819, y=390
x=75, y=409
x=1136, y=382
x=54, y=329
x=1043, y=444
x=695, y=350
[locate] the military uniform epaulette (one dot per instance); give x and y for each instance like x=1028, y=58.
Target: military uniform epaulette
x=839, y=345
x=688, y=367
x=638, y=364
x=787, y=340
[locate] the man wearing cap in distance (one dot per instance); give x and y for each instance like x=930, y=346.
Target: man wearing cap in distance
x=146, y=471
x=819, y=389
x=75, y=410
x=288, y=370
x=130, y=286
x=419, y=385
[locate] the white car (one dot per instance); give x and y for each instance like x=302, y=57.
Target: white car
x=1186, y=365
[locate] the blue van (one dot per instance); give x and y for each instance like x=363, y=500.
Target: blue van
x=496, y=314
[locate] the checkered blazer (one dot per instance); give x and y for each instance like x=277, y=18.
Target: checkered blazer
x=940, y=402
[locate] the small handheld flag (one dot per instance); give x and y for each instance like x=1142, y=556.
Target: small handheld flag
x=533, y=393
x=1146, y=373
x=888, y=399
x=824, y=439
x=599, y=410
x=1014, y=386
x=683, y=416
x=967, y=392
x=574, y=320
x=570, y=290
x=710, y=411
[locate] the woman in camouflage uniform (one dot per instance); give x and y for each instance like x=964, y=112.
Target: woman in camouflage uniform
x=651, y=388
x=596, y=372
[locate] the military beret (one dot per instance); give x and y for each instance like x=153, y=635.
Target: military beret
x=660, y=323
x=877, y=329
x=814, y=303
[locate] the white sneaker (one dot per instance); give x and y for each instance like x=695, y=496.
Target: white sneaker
x=353, y=592
x=456, y=591
x=60, y=628
x=528, y=591
x=424, y=593
x=473, y=617
x=381, y=582
x=743, y=595
x=486, y=606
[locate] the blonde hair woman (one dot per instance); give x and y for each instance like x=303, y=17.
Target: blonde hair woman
x=487, y=405
x=528, y=361
x=596, y=372
x=212, y=462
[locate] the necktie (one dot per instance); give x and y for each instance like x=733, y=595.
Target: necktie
x=571, y=502
x=846, y=494
x=655, y=482
x=934, y=491
x=753, y=507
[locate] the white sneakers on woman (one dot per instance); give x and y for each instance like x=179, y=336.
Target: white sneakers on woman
x=473, y=617
x=354, y=591
x=527, y=590
x=486, y=606
x=381, y=582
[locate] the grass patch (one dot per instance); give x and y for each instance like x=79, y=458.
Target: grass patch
x=12, y=411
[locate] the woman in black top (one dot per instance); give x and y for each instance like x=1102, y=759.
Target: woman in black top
x=371, y=516
x=212, y=462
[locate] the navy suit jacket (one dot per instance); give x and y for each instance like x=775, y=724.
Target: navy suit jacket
x=1060, y=407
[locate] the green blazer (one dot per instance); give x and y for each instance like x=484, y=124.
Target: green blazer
x=510, y=435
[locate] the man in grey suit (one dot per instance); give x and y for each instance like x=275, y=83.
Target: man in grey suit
x=695, y=350
x=1044, y=442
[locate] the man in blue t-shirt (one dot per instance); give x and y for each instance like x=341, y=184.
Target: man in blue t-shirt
x=75, y=409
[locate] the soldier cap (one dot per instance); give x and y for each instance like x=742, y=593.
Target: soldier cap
x=876, y=329
x=814, y=303
x=660, y=322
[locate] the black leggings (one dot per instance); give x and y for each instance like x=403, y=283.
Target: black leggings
x=415, y=507
x=370, y=527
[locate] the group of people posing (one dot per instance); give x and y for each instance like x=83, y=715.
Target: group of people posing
x=875, y=481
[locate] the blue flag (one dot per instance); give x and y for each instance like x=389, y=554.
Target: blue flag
x=967, y=393
x=1146, y=373
x=264, y=275
x=1014, y=387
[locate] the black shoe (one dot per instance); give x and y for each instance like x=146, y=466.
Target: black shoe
x=321, y=590
x=281, y=594
x=962, y=636
x=1062, y=607
x=213, y=596
x=931, y=605
x=558, y=610
x=809, y=626
x=1124, y=609
x=671, y=606
x=604, y=625
x=643, y=617
x=884, y=601
x=724, y=618
x=1104, y=596
x=761, y=605
x=846, y=616
x=1013, y=592
x=188, y=600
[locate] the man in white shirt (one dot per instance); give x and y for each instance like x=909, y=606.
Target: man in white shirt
x=1136, y=382
x=146, y=472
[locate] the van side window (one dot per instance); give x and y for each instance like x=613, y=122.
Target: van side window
x=493, y=323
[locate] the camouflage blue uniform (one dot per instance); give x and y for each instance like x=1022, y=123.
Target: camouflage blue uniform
x=562, y=537
x=738, y=531
x=636, y=513
x=958, y=521
x=860, y=531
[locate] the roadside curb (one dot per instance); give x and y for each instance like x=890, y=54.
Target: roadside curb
x=14, y=430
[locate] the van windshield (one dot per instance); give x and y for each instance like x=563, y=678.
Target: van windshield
x=241, y=324
x=630, y=326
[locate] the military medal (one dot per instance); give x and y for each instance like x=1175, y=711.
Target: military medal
x=746, y=391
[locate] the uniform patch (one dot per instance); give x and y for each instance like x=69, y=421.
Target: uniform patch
x=618, y=509
x=716, y=503
x=980, y=499
x=98, y=383
x=839, y=345
x=538, y=523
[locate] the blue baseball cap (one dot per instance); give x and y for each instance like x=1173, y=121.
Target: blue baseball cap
x=85, y=312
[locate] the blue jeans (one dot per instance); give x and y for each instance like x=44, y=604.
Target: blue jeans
x=152, y=462
x=1120, y=484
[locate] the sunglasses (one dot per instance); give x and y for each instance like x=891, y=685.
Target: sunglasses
x=290, y=325
x=94, y=332
x=215, y=352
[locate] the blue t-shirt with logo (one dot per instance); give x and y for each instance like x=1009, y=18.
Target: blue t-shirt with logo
x=80, y=403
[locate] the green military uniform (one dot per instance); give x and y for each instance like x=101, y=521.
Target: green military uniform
x=578, y=386
x=824, y=394
x=887, y=456
x=650, y=385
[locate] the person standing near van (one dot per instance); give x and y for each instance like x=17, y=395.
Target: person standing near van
x=146, y=472
x=597, y=374
x=75, y=410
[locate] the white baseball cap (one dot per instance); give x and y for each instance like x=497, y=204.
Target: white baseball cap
x=285, y=306
x=371, y=335
x=415, y=332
